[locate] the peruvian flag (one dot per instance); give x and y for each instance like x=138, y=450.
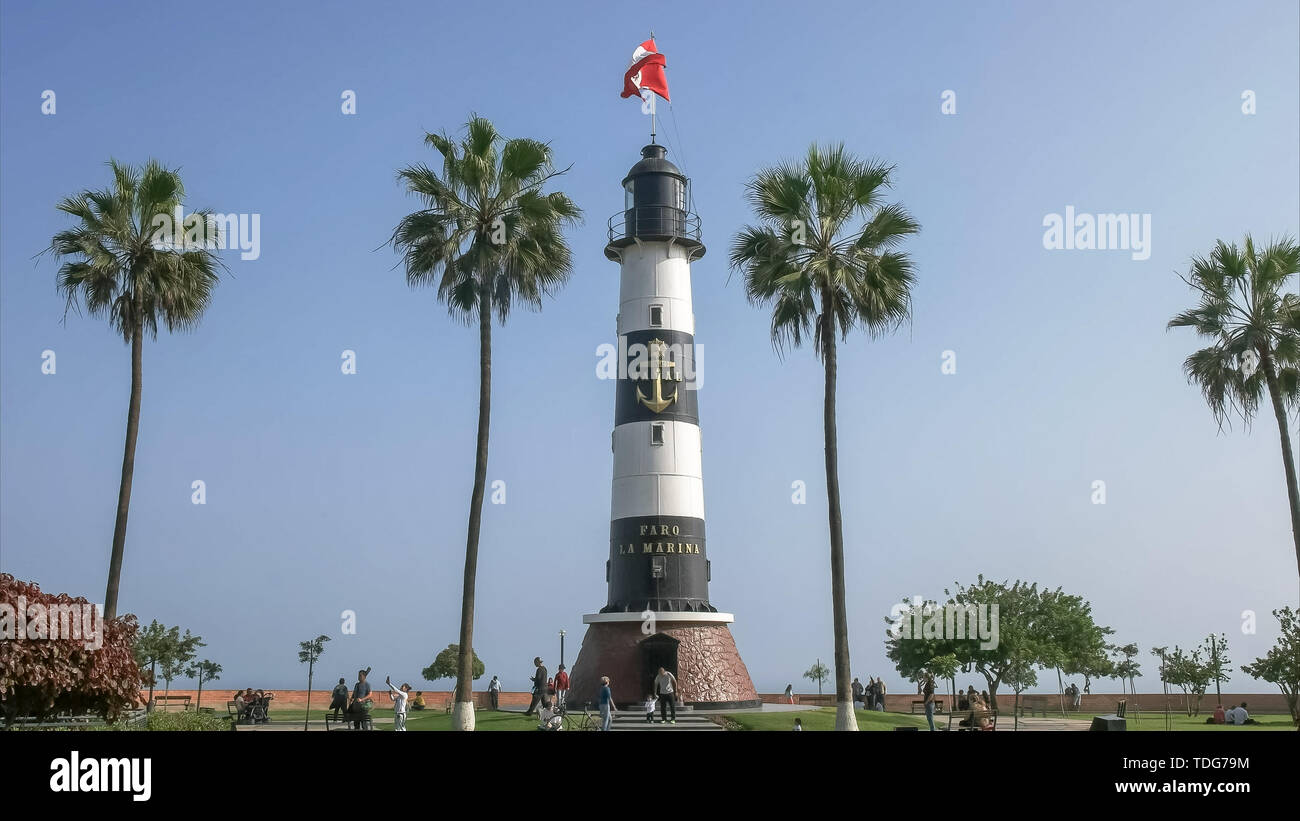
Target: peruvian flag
x=646, y=71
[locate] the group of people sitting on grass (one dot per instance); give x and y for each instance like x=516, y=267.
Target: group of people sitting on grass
x=1233, y=715
x=253, y=705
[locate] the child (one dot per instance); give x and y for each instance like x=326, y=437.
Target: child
x=798, y=725
x=650, y=703
x=548, y=718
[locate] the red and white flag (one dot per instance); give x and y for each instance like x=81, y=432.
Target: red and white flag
x=646, y=71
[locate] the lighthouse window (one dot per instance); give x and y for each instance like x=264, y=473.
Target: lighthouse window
x=656, y=316
x=657, y=433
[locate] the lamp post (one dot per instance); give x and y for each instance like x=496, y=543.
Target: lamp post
x=561, y=645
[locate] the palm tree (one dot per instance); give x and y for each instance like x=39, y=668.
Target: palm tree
x=486, y=237
x=1256, y=333
x=824, y=256
x=126, y=261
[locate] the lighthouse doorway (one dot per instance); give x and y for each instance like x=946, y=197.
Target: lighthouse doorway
x=659, y=650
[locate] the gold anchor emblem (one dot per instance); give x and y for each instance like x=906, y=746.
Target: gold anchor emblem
x=660, y=365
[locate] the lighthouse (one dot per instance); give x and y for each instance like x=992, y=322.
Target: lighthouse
x=658, y=612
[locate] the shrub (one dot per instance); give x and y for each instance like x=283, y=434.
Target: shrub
x=41, y=676
x=188, y=721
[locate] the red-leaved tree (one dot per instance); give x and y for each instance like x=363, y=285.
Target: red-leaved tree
x=42, y=676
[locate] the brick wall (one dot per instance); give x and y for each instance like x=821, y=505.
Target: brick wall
x=894, y=702
x=320, y=699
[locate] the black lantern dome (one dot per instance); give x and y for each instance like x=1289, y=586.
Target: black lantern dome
x=656, y=207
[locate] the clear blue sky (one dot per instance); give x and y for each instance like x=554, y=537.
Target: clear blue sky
x=328, y=492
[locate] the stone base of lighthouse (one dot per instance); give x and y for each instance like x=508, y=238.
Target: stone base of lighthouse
x=702, y=654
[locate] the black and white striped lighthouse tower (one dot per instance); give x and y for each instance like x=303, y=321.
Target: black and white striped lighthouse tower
x=658, y=613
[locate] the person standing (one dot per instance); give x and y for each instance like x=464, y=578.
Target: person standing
x=539, y=685
x=928, y=691
x=788, y=695
x=880, y=694
x=399, y=697
x=339, y=698
x=1078, y=696
x=857, y=691
x=494, y=692
x=561, y=688
x=666, y=689
x=607, y=708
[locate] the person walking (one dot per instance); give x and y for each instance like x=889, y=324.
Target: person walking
x=400, y=698
x=788, y=695
x=539, y=685
x=928, y=691
x=607, y=708
x=561, y=688
x=339, y=698
x=494, y=692
x=666, y=689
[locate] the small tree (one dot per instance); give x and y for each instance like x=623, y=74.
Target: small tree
x=203, y=671
x=1217, y=665
x=173, y=668
x=308, y=653
x=445, y=665
x=159, y=646
x=1127, y=669
x=819, y=673
x=944, y=668
x=1186, y=671
x=1281, y=665
x=1021, y=675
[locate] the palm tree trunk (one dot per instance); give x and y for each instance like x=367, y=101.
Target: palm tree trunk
x=464, y=709
x=1288, y=458
x=128, y=471
x=845, y=719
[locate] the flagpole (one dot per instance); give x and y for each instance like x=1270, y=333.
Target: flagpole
x=654, y=103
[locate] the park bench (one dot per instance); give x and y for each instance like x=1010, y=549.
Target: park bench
x=976, y=715
x=344, y=721
x=918, y=705
x=166, y=701
x=86, y=720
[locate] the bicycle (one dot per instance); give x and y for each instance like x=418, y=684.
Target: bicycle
x=580, y=721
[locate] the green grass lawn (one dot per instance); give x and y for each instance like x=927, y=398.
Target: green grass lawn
x=1180, y=721
x=428, y=720
x=823, y=718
